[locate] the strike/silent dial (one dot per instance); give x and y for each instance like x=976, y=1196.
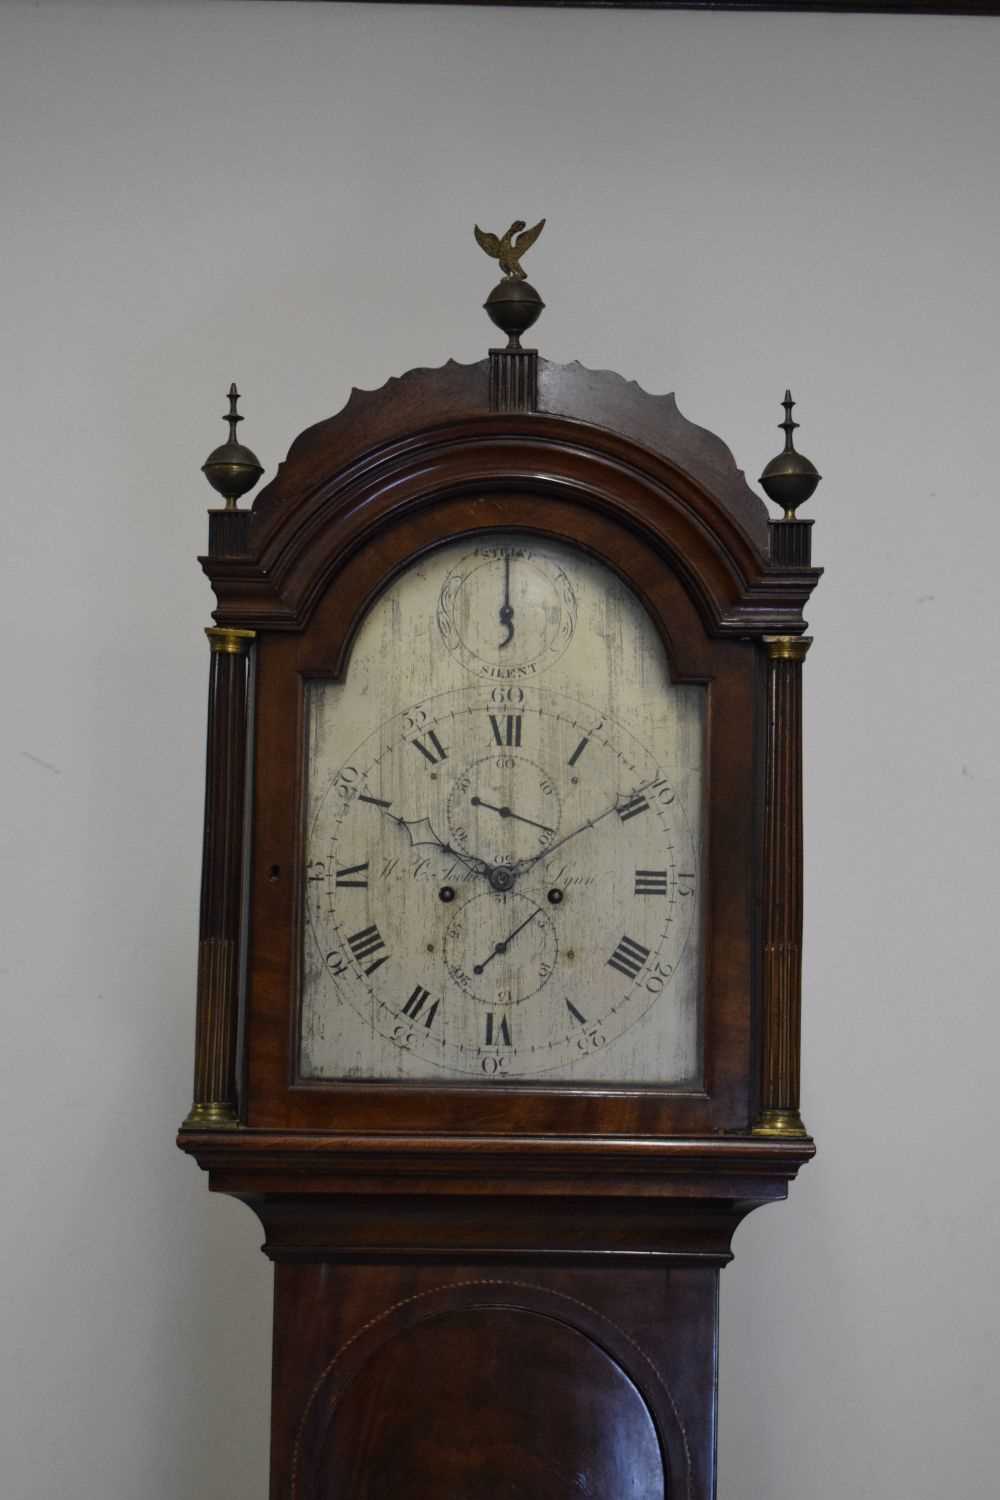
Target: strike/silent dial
x=507, y=611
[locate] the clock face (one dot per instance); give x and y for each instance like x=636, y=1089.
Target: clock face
x=503, y=833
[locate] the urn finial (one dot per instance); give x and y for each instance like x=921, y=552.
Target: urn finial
x=789, y=479
x=232, y=469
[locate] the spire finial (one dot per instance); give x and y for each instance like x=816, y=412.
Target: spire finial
x=787, y=424
x=789, y=479
x=232, y=469
x=233, y=415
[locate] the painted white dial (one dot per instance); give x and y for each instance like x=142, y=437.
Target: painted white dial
x=503, y=879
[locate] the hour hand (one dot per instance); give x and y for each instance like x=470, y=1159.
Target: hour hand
x=419, y=831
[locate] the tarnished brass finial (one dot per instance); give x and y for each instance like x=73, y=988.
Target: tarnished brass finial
x=232, y=469
x=509, y=248
x=513, y=305
x=789, y=479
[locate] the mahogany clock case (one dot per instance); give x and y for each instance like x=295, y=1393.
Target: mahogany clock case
x=356, y=502
x=500, y=1288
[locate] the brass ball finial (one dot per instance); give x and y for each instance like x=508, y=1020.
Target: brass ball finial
x=232, y=469
x=513, y=306
x=789, y=479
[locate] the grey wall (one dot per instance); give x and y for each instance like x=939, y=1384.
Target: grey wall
x=283, y=194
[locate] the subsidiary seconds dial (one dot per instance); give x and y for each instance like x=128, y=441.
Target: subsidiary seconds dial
x=506, y=884
x=503, y=807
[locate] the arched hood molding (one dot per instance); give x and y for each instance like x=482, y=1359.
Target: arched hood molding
x=429, y=434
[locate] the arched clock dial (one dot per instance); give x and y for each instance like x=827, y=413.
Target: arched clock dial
x=503, y=881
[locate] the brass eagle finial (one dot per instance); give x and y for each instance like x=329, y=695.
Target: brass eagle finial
x=509, y=248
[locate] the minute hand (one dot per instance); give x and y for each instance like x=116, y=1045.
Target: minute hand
x=525, y=864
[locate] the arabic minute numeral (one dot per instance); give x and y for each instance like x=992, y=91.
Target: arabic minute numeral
x=660, y=975
x=415, y=721
x=346, y=783
x=685, y=885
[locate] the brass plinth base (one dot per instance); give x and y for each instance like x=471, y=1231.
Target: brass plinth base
x=781, y=1122
x=211, y=1117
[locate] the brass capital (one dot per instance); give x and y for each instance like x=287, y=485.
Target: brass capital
x=211, y=1117
x=781, y=1123
x=233, y=642
x=787, y=647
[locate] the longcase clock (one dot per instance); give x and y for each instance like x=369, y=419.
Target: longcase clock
x=498, y=992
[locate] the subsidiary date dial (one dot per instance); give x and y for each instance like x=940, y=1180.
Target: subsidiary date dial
x=500, y=948
x=506, y=883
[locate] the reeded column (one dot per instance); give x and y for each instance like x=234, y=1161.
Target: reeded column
x=782, y=973
x=214, y=1104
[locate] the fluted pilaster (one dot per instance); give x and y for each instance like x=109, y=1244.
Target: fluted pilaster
x=782, y=969
x=214, y=1103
